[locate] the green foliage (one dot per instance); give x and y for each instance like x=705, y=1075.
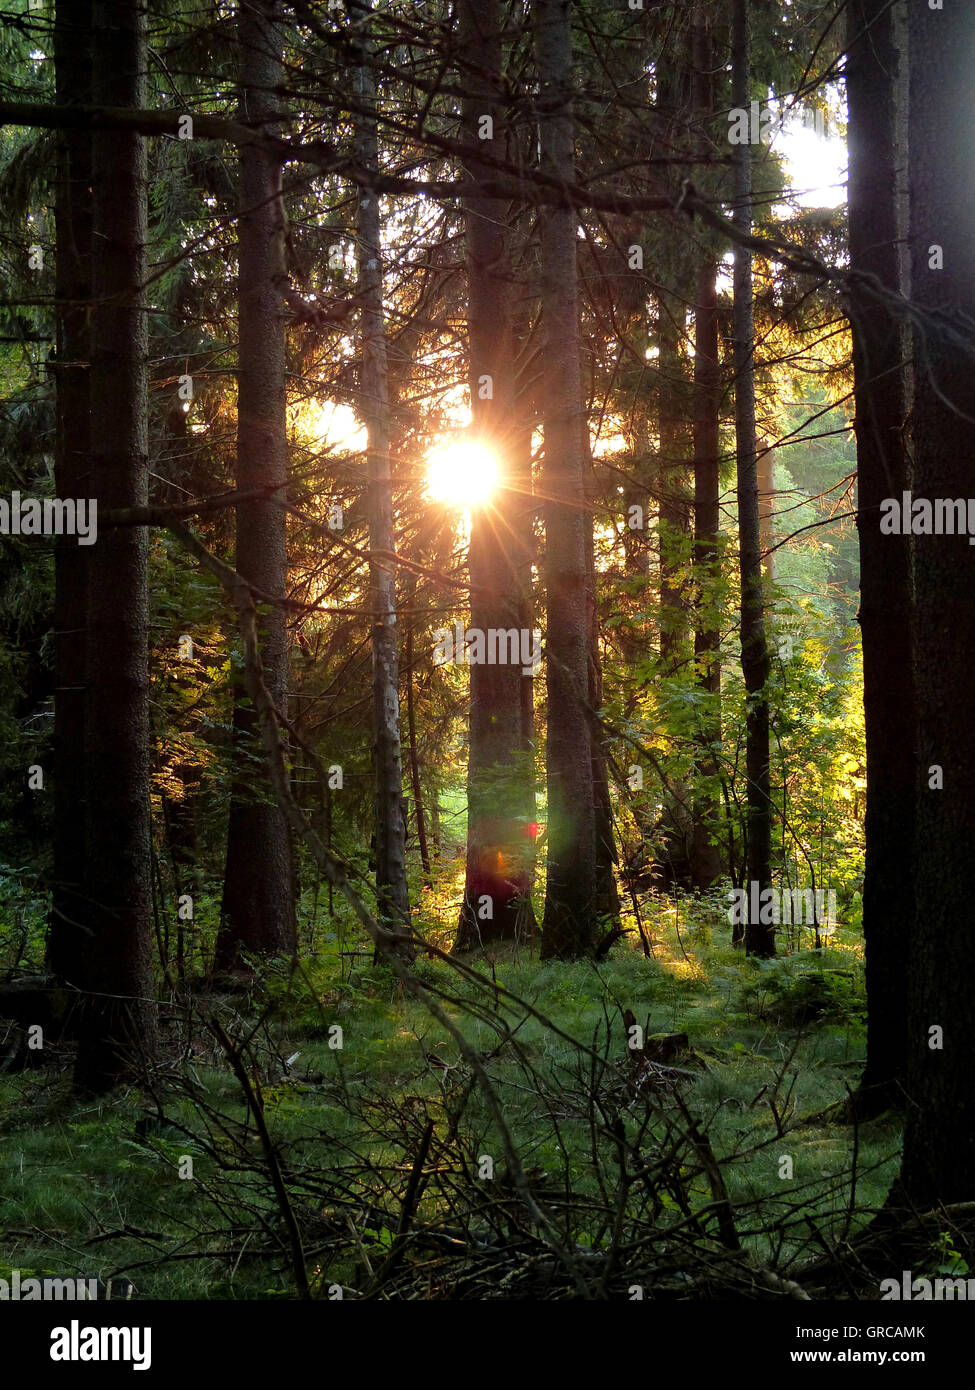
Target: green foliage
x=951, y=1264
x=114, y=1173
x=793, y=992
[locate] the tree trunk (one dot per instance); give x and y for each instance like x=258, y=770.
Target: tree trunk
x=706, y=863
x=939, y=1141
x=759, y=939
x=391, y=885
x=673, y=502
x=522, y=516
x=765, y=475
x=72, y=61
x=570, y=925
x=258, y=912
x=118, y=1017
x=607, y=892
x=497, y=889
x=675, y=97
x=415, y=780
x=885, y=561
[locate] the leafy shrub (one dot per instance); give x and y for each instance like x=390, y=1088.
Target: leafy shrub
x=795, y=995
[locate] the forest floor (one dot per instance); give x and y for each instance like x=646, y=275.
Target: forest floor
x=374, y=1148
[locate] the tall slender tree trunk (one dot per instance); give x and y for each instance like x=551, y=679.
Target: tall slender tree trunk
x=525, y=554
x=118, y=1016
x=391, y=885
x=522, y=518
x=675, y=95
x=675, y=848
x=759, y=939
x=673, y=502
x=874, y=57
x=570, y=925
x=705, y=859
x=607, y=892
x=939, y=1140
x=415, y=779
x=765, y=476
x=676, y=100
x=258, y=897
x=73, y=75
x=497, y=889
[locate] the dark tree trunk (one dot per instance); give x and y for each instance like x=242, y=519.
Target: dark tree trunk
x=759, y=939
x=677, y=819
x=391, y=885
x=676, y=100
x=675, y=97
x=72, y=61
x=522, y=519
x=939, y=1141
x=415, y=779
x=706, y=863
x=497, y=889
x=118, y=1017
x=570, y=925
x=607, y=892
x=258, y=912
x=885, y=561
x=671, y=481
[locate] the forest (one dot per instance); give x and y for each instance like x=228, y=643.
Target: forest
x=487, y=595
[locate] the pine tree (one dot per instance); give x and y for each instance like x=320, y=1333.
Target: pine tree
x=391, y=882
x=118, y=1014
x=258, y=913
x=72, y=61
x=759, y=939
x=875, y=58
x=570, y=924
x=497, y=889
x=939, y=1140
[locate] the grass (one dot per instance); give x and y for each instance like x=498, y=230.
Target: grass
x=94, y=1188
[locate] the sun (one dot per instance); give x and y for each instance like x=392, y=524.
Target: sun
x=462, y=474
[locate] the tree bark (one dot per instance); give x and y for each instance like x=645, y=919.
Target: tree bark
x=759, y=939
x=570, y=924
x=73, y=75
x=391, y=885
x=671, y=481
x=607, y=892
x=522, y=521
x=500, y=803
x=706, y=863
x=873, y=61
x=939, y=1140
x=675, y=97
x=118, y=1016
x=258, y=913
x=415, y=779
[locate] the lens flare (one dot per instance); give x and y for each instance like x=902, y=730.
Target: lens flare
x=462, y=474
